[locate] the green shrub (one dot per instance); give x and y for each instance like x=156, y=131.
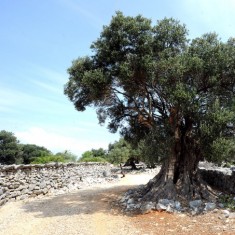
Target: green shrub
x=46, y=159
x=92, y=159
x=228, y=201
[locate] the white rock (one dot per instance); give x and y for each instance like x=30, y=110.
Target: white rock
x=147, y=207
x=177, y=205
x=165, y=202
x=194, y=212
x=209, y=206
x=161, y=207
x=130, y=201
x=130, y=206
x=195, y=203
x=221, y=205
x=226, y=213
x=232, y=215
x=169, y=209
x=123, y=199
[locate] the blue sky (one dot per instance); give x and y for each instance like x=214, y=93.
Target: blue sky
x=39, y=40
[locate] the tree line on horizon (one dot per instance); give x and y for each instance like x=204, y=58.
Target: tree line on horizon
x=13, y=152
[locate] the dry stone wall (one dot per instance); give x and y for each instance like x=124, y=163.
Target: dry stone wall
x=18, y=182
x=221, y=178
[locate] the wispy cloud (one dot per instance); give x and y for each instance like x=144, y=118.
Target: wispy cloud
x=49, y=80
x=12, y=99
x=50, y=74
x=35, y=76
x=49, y=87
x=92, y=18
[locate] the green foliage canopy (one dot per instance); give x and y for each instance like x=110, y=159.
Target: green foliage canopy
x=64, y=157
x=9, y=149
x=120, y=151
x=95, y=155
x=147, y=79
x=67, y=156
x=47, y=159
x=31, y=151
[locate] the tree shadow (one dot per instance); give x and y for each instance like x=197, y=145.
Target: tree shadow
x=84, y=201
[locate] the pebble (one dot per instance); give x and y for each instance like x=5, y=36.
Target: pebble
x=232, y=215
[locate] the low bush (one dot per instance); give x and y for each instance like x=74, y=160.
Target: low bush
x=92, y=159
x=47, y=159
x=228, y=201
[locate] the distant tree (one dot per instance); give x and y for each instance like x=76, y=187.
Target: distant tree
x=68, y=156
x=31, y=151
x=87, y=154
x=48, y=159
x=93, y=156
x=92, y=159
x=10, y=152
x=151, y=80
x=122, y=152
x=99, y=152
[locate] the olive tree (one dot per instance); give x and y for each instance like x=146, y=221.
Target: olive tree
x=151, y=80
x=30, y=152
x=10, y=152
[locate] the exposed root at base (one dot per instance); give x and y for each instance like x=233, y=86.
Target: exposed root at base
x=165, y=195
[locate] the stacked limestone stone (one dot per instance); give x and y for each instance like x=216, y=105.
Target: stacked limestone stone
x=18, y=182
x=220, y=177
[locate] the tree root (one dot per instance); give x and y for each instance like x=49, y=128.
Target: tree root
x=159, y=188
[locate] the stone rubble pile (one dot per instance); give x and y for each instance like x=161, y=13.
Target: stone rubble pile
x=222, y=178
x=18, y=182
x=130, y=204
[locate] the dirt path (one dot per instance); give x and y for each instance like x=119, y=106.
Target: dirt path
x=89, y=212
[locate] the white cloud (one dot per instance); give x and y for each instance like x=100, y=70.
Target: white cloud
x=14, y=100
x=47, y=78
x=49, y=87
x=57, y=142
x=88, y=14
x=49, y=74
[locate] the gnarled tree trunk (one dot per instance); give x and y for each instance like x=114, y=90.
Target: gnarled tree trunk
x=178, y=178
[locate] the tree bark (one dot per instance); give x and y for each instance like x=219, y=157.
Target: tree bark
x=131, y=162
x=178, y=178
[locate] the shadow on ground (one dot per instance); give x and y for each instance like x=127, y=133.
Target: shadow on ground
x=85, y=201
